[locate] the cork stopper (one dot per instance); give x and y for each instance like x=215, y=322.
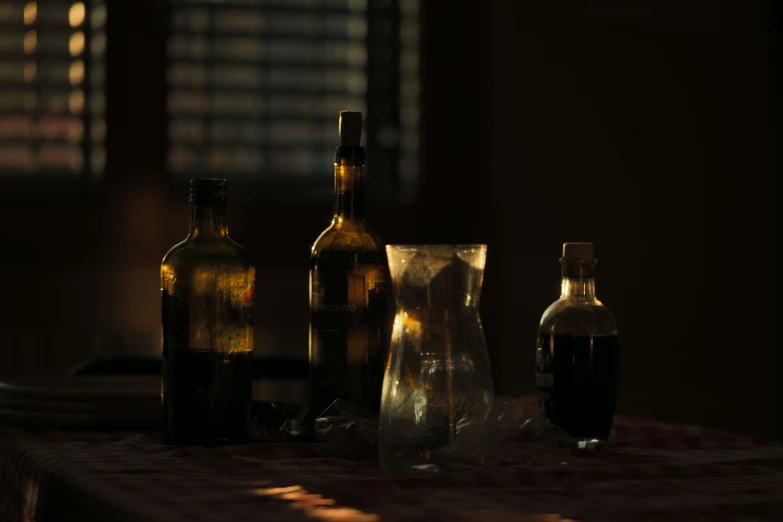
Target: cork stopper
x=578, y=251
x=578, y=261
x=350, y=128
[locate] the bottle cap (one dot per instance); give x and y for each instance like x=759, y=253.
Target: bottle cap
x=578, y=250
x=208, y=191
x=350, y=128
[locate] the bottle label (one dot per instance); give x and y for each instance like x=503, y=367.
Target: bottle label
x=544, y=377
x=335, y=308
x=246, y=305
x=347, y=334
x=208, y=313
x=336, y=317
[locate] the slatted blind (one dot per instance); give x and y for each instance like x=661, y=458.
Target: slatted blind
x=255, y=86
x=409, y=97
x=51, y=88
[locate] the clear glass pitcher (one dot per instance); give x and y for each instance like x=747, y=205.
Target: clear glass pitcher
x=438, y=403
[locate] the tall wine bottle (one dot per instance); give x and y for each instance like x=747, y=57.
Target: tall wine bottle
x=207, y=286
x=350, y=302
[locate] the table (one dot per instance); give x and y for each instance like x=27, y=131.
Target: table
x=654, y=472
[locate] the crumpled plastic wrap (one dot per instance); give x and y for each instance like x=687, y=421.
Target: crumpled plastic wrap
x=277, y=421
x=351, y=429
x=525, y=433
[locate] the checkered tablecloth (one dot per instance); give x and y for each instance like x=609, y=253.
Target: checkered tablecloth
x=654, y=472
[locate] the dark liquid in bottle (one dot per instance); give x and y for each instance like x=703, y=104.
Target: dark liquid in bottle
x=349, y=313
x=207, y=397
x=577, y=379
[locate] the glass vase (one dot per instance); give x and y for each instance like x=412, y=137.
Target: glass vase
x=438, y=403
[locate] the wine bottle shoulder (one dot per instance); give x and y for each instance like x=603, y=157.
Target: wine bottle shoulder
x=176, y=252
x=193, y=253
x=575, y=317
x=347, y=239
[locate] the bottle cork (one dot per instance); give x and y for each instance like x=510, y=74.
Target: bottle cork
x=350, y=128
x=578, y=250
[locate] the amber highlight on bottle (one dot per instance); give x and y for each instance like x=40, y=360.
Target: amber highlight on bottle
x=207, y=287
x=350, y=301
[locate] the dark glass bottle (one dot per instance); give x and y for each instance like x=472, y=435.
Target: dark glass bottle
x=577, y=358
x=350, y=300
x=207, y=287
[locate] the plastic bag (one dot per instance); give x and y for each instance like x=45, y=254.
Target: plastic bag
x=524, y=432
x=351, y=429
x=278, y=421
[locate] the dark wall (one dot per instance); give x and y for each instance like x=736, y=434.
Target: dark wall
x=651, y=129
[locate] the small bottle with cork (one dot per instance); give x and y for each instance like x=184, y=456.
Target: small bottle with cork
x=577, y=356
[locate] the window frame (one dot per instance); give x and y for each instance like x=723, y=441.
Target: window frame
x=79, y=185
x=385, y=184
x=132, y=88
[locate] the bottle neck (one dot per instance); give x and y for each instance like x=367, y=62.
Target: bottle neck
x=208, y=220
x=349, y=184
x=577, y=288
x=578, y=280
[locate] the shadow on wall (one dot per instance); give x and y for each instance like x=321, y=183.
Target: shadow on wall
x=648, y=129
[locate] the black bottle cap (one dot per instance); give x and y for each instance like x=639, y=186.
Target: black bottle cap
x=350, y=128
x=208, y=191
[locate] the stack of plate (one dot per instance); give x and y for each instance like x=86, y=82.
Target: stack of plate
x=117, y=401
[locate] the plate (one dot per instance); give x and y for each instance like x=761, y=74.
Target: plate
x=96, y=389
x=77, y=420
x=72, y=406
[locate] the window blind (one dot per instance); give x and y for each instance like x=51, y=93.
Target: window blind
x=51, y=88
x=255, y=87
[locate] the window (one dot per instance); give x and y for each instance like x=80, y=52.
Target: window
x=255, y=88
x=51, y=88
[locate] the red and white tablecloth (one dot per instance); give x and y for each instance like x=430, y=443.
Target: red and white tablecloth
x=653, y=472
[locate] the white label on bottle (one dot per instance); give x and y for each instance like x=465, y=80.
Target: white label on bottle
x=547, y=380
